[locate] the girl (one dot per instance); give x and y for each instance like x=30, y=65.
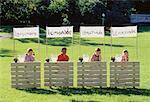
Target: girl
x=97, y=55
x=29, y=56
x=125, y=57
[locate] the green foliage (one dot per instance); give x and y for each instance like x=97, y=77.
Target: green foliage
x=57, y=6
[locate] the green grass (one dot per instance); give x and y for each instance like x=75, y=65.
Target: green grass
x=142, y=94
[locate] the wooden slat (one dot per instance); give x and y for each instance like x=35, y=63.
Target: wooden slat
x=25, y=81
x=124, y=76
x=124, y=85
x=92, y=72
x=126, y=69
x=59, y=64
x=57, y=76
x=25, y=69
x=91, y=80
x=91, y=76
x=58, y=80
x=91, y=84
x=69, y=72
x=24, y=73
x=124, y=72
x=124, y=80
x=58, y=68
x=91, y=63
x=58, y=84
x=26, y=86
x=26, y=63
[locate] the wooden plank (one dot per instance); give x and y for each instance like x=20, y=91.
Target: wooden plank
x=124, y=72
x=25, y=66
x=92, y=84
x=91, y=63
x=25, y=78
x=25, y=69
x=58, y=80
x=59, y=63
x=124, y=69
x=91, y=80
x=25, y=81
x=124, y=85
x=22, y=73
x=26, y=75
x=124, y=80
x=125, y=63
x=58, y=68
x=91, y=76
x=58, y=76
x=92, y=69
x=65, y=70
x=112, y=76
x=26, y=63
x=26, y=86
x=58, y=84
x=69, y=72
x=92, y=72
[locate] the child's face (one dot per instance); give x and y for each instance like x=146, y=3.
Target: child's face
x=64, y=51
x=98, y=52
x=126, y=53
x=30, y=52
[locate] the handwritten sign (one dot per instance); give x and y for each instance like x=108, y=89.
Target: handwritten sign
x=91, y=31
x=130, y=31
x=28, y=32
x=55, y=32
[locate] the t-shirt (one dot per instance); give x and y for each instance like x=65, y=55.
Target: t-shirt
x=95, y=58
x=124, y=58
x=29, y=58
x=63, y=57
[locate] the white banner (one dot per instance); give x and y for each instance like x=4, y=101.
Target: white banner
x=130, y=31
x=27, y=32
x=54, y=32
x=91, y=31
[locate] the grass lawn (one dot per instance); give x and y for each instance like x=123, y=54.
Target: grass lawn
x=88, y=45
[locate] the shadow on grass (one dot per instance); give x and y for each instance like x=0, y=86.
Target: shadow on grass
x=90, y=91
x=6, y=53
x=52, y=41
x=87, y=42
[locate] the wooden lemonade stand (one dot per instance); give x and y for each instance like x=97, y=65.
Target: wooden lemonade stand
x=125, y=74
x=92, y=73
x=58, y=73
x=25, y=74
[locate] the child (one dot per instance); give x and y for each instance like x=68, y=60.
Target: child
x=97, y=55
x=29, y=56
x=63, y=56
x=125, y=57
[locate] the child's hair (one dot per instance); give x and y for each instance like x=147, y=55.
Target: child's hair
x=125, y=51
x=63, y=49
x=98, y=49
x=29, y=50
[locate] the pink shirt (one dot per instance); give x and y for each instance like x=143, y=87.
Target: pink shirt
x=125, y=58
x=29, y=58
x=96, y=58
